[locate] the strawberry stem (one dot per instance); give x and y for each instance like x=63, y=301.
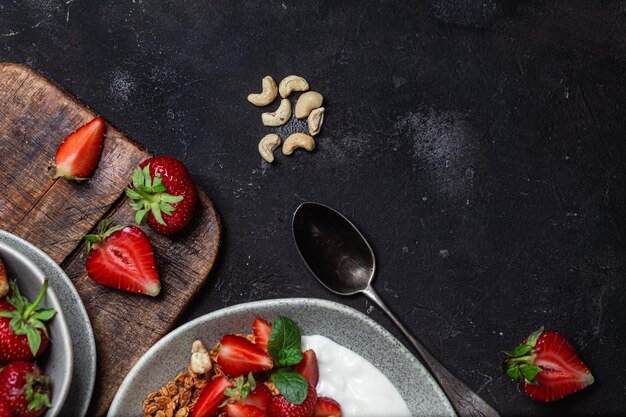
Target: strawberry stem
x=29, y=311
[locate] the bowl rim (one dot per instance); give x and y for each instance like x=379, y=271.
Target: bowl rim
x=59, y=395
x=274, y=302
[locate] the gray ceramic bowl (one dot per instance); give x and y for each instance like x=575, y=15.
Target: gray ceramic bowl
x=344, y=325
x=57, y=361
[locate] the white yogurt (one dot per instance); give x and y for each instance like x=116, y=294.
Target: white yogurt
x=357, y=385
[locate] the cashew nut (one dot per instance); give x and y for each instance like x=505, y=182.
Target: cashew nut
x=200, y=359
x=307, y=102
x=4, y=281
x=280, y=116
x=292, y=83
x=316, y=118
x=267, y=96
x=298, y=140
x=268, y=145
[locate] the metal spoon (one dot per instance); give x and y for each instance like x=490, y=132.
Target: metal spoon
x=340, y=258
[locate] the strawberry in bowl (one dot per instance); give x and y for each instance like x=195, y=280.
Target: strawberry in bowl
x=36, y=359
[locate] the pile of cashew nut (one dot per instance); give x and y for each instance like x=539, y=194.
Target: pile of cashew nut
x=309, y=106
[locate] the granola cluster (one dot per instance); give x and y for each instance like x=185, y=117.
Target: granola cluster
x=176, y=398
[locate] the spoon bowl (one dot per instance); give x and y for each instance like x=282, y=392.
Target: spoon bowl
x=342, y=260
x=333, y=249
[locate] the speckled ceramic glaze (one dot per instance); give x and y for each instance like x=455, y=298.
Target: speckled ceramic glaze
x=344, y=325
x=71, y=334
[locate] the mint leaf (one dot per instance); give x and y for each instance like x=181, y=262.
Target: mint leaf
x=285, y=336
x=290, y=384
x=288, y=357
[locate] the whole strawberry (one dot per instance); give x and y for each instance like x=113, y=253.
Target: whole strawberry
x=163, y=194
x=25, y=388
x=280, y=407
x=547, y=367
x=4, y=281
x=5, y=410
x=23, y=332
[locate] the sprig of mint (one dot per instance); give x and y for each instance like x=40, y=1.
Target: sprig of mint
x=285, y=347
x=291, y=385
x=285, y=341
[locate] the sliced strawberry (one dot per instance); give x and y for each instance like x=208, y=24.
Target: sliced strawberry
x=327, y=407
x=260, y=397
x=211, y=397
x=262, y=330
x=308, y=367
x=243, y=410
x=280, y=407
x=122, y=257
x=79, y=153
x=236, y=356
x=547, y=367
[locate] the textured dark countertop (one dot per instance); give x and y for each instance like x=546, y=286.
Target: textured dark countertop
x=480, y=149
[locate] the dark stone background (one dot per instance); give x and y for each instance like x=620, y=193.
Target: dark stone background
x=479, y=146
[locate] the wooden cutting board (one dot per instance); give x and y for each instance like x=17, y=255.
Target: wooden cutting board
x=35, y=116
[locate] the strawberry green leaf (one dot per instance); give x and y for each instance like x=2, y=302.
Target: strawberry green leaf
x=166, y=198
x=156, y=212
x=513, y=373
x=44, y=314
x=142, y=216
x=520, y=350
x=34, y=339
x=138, y=178
x=146, y=176
x=529, y=371
x=534, y=336
x=290, y=384
x=132, y=194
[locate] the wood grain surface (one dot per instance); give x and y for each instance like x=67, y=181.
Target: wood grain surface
x=54, y=214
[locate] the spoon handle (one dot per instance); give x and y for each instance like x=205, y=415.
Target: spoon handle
x=465, y=401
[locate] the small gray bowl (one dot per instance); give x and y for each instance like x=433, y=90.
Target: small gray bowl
x=342, y=324
x=57, y=361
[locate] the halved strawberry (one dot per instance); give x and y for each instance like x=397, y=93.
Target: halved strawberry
x=260, y=397
x=211, y=398
x=308, y=367
x=262, y=330
x=79, y=153
x=547, y=367
x=243, y=410
x=121, y=257
x=327, y=407
x=236, y=356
